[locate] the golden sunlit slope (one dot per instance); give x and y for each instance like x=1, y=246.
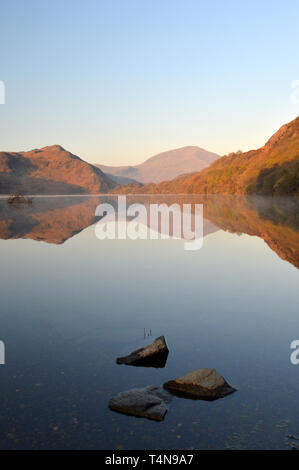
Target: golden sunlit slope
x=272, y=169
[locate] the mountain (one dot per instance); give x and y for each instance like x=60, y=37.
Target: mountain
x=164, y=166
x=272, y=169
x=50, y=170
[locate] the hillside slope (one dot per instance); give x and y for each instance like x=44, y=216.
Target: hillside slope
x=272, y=169
x=50, y=170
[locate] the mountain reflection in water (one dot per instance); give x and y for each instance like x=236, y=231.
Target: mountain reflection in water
x=56, y=219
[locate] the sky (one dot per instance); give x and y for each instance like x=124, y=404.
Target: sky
x=117, y=81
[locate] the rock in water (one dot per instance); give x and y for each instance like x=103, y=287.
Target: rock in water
x=153, y=355
x=149, y=402
x=205, y=384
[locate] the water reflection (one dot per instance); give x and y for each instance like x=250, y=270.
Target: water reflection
x=56, y=219
x=275, y=220
x=51, y=219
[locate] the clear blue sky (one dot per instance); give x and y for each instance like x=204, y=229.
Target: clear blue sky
x=116, y=81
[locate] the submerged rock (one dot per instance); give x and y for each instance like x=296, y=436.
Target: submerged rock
x=205, y=384
x=149, y=402
x=153, y=355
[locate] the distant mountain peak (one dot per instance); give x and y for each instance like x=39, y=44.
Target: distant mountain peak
x=166, y=165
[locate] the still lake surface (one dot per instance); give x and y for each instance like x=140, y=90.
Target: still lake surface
x=71, y=303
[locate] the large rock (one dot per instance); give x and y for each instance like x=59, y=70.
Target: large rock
x=205, y=384
x=149, y=402
x=153, y=355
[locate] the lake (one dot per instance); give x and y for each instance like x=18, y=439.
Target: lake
x=71, y=304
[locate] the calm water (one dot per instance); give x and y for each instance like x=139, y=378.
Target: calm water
x=70, y=304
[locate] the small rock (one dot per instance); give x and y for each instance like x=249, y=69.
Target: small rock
x=149, y=402
x=205, y=384
x=153, y=355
